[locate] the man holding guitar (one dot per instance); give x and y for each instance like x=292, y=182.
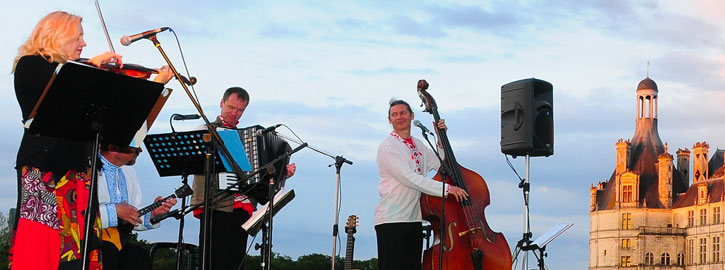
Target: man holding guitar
x=119, y=197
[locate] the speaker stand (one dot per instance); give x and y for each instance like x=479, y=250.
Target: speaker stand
x=525, y=243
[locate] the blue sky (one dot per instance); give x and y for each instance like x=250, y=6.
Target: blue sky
x=327, y=70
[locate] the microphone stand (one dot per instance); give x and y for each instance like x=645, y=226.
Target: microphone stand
x=339, y=160
x=443, y=174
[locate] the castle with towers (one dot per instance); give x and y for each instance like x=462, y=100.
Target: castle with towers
x=648, y=215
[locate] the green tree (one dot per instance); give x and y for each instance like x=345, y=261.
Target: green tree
x=371, y=264
x=279, y=262
x=252, y=262
x=314, y=261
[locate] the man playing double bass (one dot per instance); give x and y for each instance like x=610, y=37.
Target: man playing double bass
x=403, y=162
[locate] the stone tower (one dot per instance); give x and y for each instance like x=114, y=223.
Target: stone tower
x=639, y=193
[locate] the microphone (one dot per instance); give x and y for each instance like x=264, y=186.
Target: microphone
x=166, y=215
x=417, y=123
x=127, y=40
x=267, y=130
x=186, y=116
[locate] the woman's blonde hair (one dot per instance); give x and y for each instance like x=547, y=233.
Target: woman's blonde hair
x=50, y=35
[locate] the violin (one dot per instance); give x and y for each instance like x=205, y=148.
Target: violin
x=468, y=242
x=135, y=71
x=131, y=70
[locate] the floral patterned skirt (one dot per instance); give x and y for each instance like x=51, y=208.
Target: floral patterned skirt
x=51, y=220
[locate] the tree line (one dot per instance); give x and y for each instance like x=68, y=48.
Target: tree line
x=165, y=259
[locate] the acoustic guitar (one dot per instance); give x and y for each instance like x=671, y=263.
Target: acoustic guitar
x=112, y=234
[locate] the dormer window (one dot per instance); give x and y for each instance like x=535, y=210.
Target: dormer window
x=701, y=194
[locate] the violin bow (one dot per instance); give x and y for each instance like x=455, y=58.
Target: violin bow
x=103, y=25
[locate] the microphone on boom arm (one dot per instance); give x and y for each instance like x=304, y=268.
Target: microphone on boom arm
x=417, y=123
x=267, y=130
x=127, y=40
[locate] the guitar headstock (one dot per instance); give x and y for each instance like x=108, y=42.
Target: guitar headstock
x=425, y=97
x=183, y=191
x=351, y=224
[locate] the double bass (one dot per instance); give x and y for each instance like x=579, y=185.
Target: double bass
x=468, y=241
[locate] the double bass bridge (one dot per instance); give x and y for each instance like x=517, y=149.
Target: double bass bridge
x=475, y=230
x=471, y=231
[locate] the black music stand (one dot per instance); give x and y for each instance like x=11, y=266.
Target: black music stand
x=97, y=106
x=81, y=94
x=179, y=153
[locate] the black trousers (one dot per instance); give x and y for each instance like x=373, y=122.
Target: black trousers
x=228, y=240
x=400, y=246
x=131, y=257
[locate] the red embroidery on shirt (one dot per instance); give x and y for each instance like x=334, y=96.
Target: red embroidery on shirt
x=414, y=153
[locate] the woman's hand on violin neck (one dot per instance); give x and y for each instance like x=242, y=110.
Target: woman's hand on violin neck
x=106, y=57
x=164, y=75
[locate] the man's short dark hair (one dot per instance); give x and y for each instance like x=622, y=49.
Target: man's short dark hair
x=241, y=93
x=394, y=102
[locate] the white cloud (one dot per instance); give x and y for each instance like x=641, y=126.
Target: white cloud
x=327, y=70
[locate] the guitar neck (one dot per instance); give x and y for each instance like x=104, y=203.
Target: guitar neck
x=348, y=253
x=153, y=206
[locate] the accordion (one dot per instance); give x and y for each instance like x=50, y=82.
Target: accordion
x=260, y=150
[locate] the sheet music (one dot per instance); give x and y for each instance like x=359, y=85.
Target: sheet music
x=552, y=234
x=234, y=144
x=280, y=200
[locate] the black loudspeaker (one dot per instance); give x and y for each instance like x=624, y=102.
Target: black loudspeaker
x=527, y=118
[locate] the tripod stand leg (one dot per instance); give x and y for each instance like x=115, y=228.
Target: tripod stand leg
x=180, y=244
x=92, y=207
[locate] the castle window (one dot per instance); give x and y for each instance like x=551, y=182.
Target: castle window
x=716, y=215
x=690, y=218
x=665, y=259
x=626, y=243
x=626, y=261
x=649, y=258
x=627, y=193
x=626, y=221
x=703, y=217
x=681, y=259
x=716, y=249
x=703, y=250
x=691, y=251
